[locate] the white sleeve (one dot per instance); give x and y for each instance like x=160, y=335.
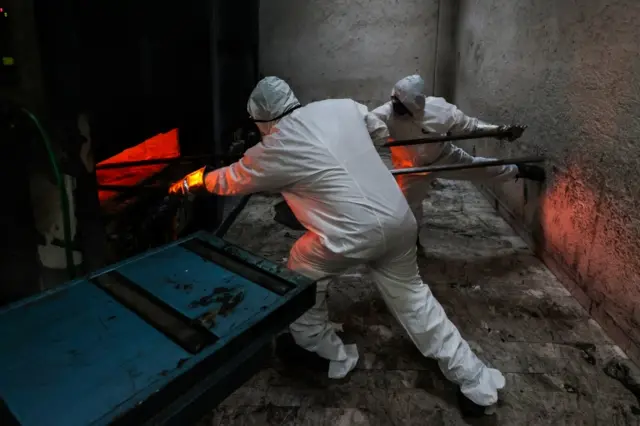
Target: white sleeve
x=376, y=121
x=453, y=119
x=259, y=170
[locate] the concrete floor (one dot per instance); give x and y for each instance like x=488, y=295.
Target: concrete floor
x=513, y=311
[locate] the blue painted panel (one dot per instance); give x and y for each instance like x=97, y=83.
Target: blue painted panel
x=77, y=354
x=266, y=265
x=196, y=287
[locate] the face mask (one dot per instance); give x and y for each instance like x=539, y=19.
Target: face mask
x=399, y=108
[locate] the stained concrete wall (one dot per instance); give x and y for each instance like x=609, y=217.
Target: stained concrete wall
x=571, y=70
x=343, y=48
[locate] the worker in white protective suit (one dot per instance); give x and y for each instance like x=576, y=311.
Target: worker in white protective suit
x=412, y=115
x=322, y=159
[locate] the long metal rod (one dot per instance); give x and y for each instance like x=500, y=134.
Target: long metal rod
x=454, y=137
x=479, y=164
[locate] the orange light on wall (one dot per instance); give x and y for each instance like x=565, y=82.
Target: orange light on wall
x=162, y=146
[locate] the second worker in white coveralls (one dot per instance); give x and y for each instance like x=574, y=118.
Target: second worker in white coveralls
x=322, y=159
x=412, y=115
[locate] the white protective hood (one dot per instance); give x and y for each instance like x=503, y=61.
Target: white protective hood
x=269, y=100
x=410, y=91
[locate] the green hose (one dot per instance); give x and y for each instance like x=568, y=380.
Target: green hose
x=66, y=218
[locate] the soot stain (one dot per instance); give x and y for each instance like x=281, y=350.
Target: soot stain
x=228, y=299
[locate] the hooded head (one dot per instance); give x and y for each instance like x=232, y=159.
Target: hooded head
x=408, y=95
x=271, y=100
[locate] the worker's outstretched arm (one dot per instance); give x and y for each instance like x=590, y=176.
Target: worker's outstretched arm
x=261, y=169
x=450, y=117
x=458, y=122
x=455, y=121
x=465, y=123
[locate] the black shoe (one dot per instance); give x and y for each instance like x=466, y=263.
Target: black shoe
x=469, y=408
x=527, y=171
x=288, y=351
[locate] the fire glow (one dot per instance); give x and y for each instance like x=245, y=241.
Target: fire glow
x=162, y=146
x=403, y=159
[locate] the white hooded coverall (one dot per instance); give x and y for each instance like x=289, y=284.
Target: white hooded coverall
x=321, y=158
x=431, y=115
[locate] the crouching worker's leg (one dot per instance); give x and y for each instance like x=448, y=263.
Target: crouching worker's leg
x=313, y=331
x=414, y=188
x=426, y=322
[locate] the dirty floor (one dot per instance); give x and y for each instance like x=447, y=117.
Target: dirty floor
x=513, y=311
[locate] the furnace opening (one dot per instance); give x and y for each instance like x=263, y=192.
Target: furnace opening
x=162, y=146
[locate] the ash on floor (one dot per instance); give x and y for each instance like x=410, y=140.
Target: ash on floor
x=561, y=368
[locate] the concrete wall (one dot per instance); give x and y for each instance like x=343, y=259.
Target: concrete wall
x=571, y=70
x=343, y=48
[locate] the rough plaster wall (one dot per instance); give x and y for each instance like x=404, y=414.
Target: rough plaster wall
x=341, y=48
x=571, y=70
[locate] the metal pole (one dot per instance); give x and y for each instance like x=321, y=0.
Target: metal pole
x=454, y=137
x=479, y=164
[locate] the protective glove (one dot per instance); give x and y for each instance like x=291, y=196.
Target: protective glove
x=514, y=132
x=193, y=183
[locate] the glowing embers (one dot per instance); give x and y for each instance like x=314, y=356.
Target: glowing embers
x=403, y=158
x=162, y=146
